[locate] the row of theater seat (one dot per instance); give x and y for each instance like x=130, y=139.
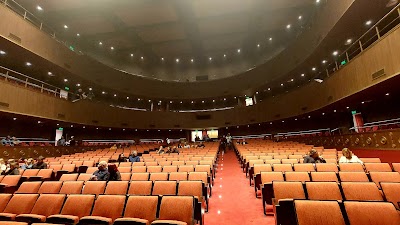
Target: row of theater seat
x=339, y=213
x=105, y=209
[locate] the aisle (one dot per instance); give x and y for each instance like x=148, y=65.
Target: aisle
x=233, y=200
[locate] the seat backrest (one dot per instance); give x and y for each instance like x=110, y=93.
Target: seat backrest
x=371, y=160
x=124, y=169
x=77, y=163
x=203, y=168
x=178, y=176
x=126, y=176
x=258, y=168
x=140, y=188
x=391, y=192
x=377, y=213
x=288, y=190
x=55, y=167
x=45, y=173
x=21, y=203
x=323, y=191
x=84, y=177
x=324, y=176
x=69, y=177
x=154, y=169
x=186, y=168
x=88, y=163
x=142, y=207
x=140, y=176
x=291, y=161
x=353, y=176
x=169, y=169
x=91, y=170
x=94, y=187
x=283, y=167
x=29, y=187
x=30, y=172
x=164, y=188
x=306, y=167
x=4, y=199
x=71, y=187
x=191, y=188
x=326, y=167
x=158, y=176
x=318, y=212
x=351, y=167
x=378, y=177
x=178, y=163
x=377, y=167
x=396, y=167
x=297, y=176
x=180, y=208
x=48, y=204
x=125, y=164
x=361, y=191
x=151, y=163
x=85, y=203
x=198, y=176
x=116, y=188
x=69, y=167
x=164, y=163
x=110, y=206
x=11, y=180
x=139, y=169
x=50, y=187
x=267, y=177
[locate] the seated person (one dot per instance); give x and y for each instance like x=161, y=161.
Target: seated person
x=28, y=164
x=313, y=157
x=121, y=158
x=201, y=145
x=160, y=150
x=114, y=147
x=13, y=170
x=102, y=172
x=349, y=157
x=40, y=164
x=3, y=165
x=174, y=149
x=114, y=173
x=134, y=157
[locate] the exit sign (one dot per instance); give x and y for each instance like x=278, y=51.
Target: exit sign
x=353, y=112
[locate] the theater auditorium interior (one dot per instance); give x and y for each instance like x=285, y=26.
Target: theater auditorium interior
x=200, y=112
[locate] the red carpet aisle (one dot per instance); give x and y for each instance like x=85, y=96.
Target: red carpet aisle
x=233, y=200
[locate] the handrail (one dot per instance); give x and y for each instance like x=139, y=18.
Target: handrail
x=304, y=131
x=378, y=123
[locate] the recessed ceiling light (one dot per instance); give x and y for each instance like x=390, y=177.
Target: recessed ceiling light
x=127, y=97
x=369, y=22
x=269, y=89
x=334, y=110
x=213, y=100
x=302, y=74
x=281, y=84
x=202, y=101
x=115, y=95
x=347, y=107
x=288, y=26
x=170, y=101
x=323, y=113
x=314, y=69
x=83, y=127
x=131, y=54
x=14, y=118
x=324, y=61
x=58, y=124
x=349, y=41
x=142, y=57
x=65, y=26
x=149, y=100
x=335, y=53
x=258, y=45
x=181, y=102
x=72, y=125
x=78, y=35
x=309, y=116
x=39, y=121
x=295, y=119
x=317, y=1
x=387, y=94
x=50, y=73
x=162, y=59
x=78, y=85
x=257, y=91
x=238, y=50
x=362, y=102
x=103, y=92
x=270, y=38
x=39, y=8
x=100, y=43
x=210, y=58
x=192, y=102
x=270, y=123
x=112, y=48
x=2, y=52
x=28, y=64
x=224, y=55
x=192, y=60
x=224, y=99
x=234, y=97
x=292, y=80
x=177, y=60
x=65, y=80
x=300, y=17
x=90, y=89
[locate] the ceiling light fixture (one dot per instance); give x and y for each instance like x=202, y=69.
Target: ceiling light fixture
x=65, y=80
x=100, y=43
x=258, y=45
x=112, y=48
x=302, y=74
x=28, y=64
x=65, y=26
x=349, y=41
x=317, y=1
x=300, y=17
x=335, y=53
x=103, y=92
x=39, y=8
x=269, y=89
x=2, y=52
x=192, y=60
x=324, y=61
x=238, y=50
x=78, y=85
x=288, y=26
x=142, y=58
x=387, y=94
x=177, y=60
x=292, y=80
x=78, y=35
x=210, y=58
x=368, y=23
x=127, y=97
x=314, y=69
x=115, y=95
x=131, y=54
x=50, y=73
x=90, y=89
x=162, y=59
x=270, y=38
x=281, y=84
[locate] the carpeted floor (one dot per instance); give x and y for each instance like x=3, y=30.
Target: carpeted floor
x=233, y=200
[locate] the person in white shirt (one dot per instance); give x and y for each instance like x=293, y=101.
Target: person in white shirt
x=349, y=157
x=3, y=166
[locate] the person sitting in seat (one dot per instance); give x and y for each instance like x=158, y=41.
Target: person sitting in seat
x=28, y=164
x=313, y=157
x=134, y=157
x=121, y=157
x=40, y=164
x=160, y=150
x=114, y=173
x=3, y=166
x=13, y=170
x=114, y=147
x=349, y=157
x=102, y=172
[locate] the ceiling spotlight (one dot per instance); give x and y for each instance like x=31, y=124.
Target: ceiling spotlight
x=309, y=116
x=317, y=1
x=368, y=23
x=323, y=113
x=192, y=102
x=65, y=26
x=72, y=125
x=162, y=59
x=213, y=100
x=90, y=89
x=181, y=102
x=142, y=57
x=2, y=52
x=300, y=17
x=224, y=55
x=177, y=60
x=302, y=74
x=50, y=73
x=270, y=38
x=115, y=95
x=100, y=43
x=288, y=26
x=78, y=85
x=387, y=94
x=202, y=101
x=318, y=80
x=224, y=99
x=335, y=53
x=295, y=119
x=39, y=8
x=362, y=102
x=170, y=101
x=334, y=110
x=138, y=99
x=149, y=100
x=314, y=69
x=78, y=35
x=14, y=118
x=234, y=97
x=112, y=48
x=292, y=80
x=103, y=92
x=192, y=60
x=269, y=89
x=324, y=61
x=257, y=91
x=349, y=41
x=238, y=50
x=131, y=54
x=281, y=84
x=347, y=107
x=210, y=58
x=258, y=45
x=39, y=121
x=28, y=64
x=270, y=123
x=83, y=127
x=65, y=80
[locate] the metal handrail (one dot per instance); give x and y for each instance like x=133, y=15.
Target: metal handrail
x=378, y=123
x=304, y=131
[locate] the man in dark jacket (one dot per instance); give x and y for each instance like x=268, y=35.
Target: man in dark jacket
x=313, y=157
x=40, y=164
x=102, y=172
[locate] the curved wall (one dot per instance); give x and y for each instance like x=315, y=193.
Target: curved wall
x=246, y=83
x=353, y=78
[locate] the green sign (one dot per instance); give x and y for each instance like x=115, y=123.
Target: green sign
x=353, y=112
x=60, y=128
x=66, y=88
x=71, y=48
x=343, y=62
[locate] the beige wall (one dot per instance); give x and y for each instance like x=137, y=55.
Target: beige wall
x=354, y=77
